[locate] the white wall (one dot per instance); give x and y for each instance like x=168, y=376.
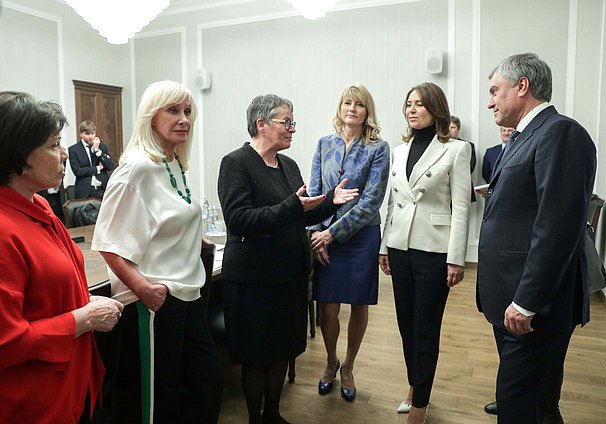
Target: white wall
x=260, y=46
x=44, y=45
x=309, y=63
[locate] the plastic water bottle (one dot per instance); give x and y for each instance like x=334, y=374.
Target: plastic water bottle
x=212, y=216
x=205, y=208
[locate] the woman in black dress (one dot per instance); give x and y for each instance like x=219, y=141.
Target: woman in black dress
x=267, y=260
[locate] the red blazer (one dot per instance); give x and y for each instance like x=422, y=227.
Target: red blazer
x=45, y=372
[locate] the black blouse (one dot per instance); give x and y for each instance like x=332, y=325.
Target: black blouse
x=420, y=141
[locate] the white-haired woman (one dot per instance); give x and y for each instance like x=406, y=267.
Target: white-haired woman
x=149, y=231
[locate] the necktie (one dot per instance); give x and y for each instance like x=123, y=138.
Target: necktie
x=512, y=139
x=90, y=154
x=510, y=142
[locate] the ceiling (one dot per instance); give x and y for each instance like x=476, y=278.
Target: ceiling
x=177, y=6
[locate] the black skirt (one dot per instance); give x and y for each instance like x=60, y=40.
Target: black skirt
x=266, y=322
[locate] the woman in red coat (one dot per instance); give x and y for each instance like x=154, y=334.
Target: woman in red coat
x=48, y=361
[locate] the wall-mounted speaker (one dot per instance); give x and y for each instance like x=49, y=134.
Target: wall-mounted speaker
x=203, y=79
x=433, y=60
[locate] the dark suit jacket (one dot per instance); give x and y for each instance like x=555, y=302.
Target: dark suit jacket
x=490, y=157
x=82, y=168
x=530, y=247
x=56, y=201
x=266, y=236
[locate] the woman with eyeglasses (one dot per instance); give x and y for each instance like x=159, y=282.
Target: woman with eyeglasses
x=267, y=260
x=346, y=244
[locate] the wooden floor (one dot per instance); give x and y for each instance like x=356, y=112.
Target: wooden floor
x=464, y=381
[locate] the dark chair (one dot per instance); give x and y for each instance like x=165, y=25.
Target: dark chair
x=70, y=210
x=596, y=271
x=212, y=292
x=593, y=211
x=208, y=259
x=69, y=192
x=312, y=327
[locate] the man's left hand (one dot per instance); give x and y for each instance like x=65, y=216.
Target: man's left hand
x=516, y=322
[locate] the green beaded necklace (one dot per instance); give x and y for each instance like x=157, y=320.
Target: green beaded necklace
x=173, y=181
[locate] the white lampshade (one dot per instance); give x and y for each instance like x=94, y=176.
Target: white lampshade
x=313, y=9
x=118, y=20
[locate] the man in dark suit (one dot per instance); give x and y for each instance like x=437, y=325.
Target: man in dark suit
x=492, y=153
x=55, y=197
x=455, y=128
x=532, y=284
x=90, y=161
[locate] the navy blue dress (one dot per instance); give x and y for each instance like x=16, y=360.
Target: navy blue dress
x=352, y=275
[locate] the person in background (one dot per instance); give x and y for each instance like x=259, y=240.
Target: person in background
x=532, y=285
x=266, y=262
x=492, y=153
x=149, y=231
x=49, y=364
x=425, y=237
x=90, y=160
x=56, y=197
x=346, y=245
x=455, y=128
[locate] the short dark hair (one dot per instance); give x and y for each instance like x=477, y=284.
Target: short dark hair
x=455, y=120
x=264, y=107
x=25, y=125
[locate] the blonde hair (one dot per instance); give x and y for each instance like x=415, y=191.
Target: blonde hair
x=371, y=131
x=87, y=127
x=156, y=96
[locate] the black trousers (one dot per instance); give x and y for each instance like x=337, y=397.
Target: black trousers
x=529, y=381
x=188, y=379
x=420, y=293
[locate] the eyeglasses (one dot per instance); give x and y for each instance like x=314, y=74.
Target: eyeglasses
x=288, y=124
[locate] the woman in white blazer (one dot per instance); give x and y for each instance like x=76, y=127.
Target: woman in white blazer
x=425, y=236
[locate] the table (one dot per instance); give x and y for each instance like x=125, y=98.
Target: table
x=96, y=269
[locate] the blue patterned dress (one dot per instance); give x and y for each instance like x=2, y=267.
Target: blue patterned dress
x=352, y=276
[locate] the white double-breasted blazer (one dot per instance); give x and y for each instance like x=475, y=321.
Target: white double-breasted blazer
x=430, y=212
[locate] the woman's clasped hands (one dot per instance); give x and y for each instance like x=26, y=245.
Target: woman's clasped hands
x=321, y=239
x=319, y=245
x=100, y=314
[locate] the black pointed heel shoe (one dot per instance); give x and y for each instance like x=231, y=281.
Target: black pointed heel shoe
x=348, y=394
x=325, y=388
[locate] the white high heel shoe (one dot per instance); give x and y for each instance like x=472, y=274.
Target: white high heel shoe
x=404, y=407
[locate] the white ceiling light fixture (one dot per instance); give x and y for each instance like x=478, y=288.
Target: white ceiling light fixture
x=118, y=20
x=313, y=9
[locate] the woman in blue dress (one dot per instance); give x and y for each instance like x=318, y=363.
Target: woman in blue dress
x=346, y=245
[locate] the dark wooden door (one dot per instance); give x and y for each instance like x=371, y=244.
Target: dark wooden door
x=101, y=104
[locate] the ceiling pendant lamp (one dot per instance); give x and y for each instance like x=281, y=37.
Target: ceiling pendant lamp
x=118, y=20
x=313, y=9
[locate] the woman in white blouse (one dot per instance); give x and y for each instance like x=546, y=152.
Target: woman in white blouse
x=149, y=231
